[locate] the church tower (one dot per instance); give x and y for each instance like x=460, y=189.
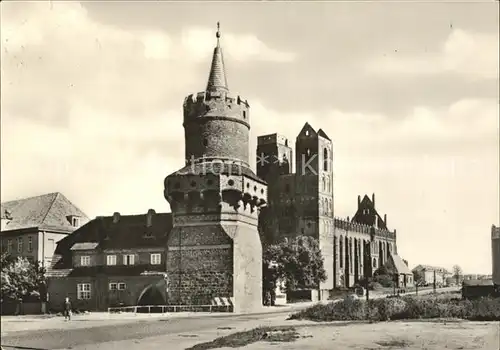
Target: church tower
x=214, y=249
x=314, y=188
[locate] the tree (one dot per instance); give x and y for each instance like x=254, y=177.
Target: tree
x=20, y=278
x=384, y=275
x=457, y=273
x=418, y=277
x=297, y=262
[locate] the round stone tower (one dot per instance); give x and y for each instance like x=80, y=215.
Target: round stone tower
x=214, y=249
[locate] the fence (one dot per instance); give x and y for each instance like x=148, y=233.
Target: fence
x=170, y=308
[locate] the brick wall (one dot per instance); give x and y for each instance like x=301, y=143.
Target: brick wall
x=101, y=297
x=199, y=264
x=217, y=138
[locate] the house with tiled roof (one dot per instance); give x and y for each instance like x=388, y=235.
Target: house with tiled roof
x=31, y=227
x=112, y=261
x=400, y=267
x=431, y=274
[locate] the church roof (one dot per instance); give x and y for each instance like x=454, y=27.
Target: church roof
x=323, y=134
x=217, y=78
x=400, y=265
x=373, y=218
x=52, y=210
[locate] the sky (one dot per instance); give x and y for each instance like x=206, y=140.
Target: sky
x=92, y=99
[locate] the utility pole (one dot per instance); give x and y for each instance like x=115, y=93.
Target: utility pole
x=367, y=277
x=434, y=283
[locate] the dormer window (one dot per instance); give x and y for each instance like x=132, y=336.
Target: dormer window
x=74, y=220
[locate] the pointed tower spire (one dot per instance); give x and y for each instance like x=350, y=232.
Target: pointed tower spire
x=217, y=78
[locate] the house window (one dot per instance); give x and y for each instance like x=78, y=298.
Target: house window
x=113, y=286
x=85, y=260
x=111, y=260
x=83, y=291
x=128, y=259
x=30, y=244
x=50, y=247
x=122, y=286
x=75, y=221
x=374, y=262
x=9, y=245
x=155, y=259
x=20, y=245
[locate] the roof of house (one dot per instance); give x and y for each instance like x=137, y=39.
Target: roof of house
x=5, y=213
x=52, y=210
x=422, y=267
x=84, y=246
x=400, y=265
x=110, y=232
x=110, y=271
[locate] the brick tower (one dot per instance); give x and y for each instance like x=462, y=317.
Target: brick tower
x=214, y=249
x=314, y=185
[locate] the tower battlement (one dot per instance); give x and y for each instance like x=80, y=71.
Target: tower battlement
x=360, y=228
x=216, y=104
x=272, y=139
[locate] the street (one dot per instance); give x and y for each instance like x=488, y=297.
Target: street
x=90, y=337
x=182, y=331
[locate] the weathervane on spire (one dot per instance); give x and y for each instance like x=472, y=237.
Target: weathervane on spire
x=217, y=34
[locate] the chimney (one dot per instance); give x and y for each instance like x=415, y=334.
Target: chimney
x=359, y=201
x=385, y=219
x=405, y=261
x=149, y=218
x=116, y=217
x=101, y=228
x=373, y=199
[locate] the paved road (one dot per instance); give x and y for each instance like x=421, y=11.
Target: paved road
x=89, y=337
x=68, y=338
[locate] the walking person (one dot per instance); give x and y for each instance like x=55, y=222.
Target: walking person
x=67, y=310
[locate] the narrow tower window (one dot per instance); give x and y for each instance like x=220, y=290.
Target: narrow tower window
x=205, y=142
x=325, y=160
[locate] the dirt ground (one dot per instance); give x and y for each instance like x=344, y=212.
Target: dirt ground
x=394, y=335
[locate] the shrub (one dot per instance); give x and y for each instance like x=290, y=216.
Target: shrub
x=384, y=280
x=388, y=308
x=375, y=286
x=485, y=309
x=408, y=307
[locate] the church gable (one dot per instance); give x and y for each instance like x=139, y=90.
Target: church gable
x=307, y=131
x=368, y=215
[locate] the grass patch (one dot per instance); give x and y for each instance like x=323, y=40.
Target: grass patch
x=446, y=305
x=394, y=343
x=240, y=339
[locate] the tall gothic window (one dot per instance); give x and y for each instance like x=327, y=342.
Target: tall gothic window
x=341, y=252
x=325, y=160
